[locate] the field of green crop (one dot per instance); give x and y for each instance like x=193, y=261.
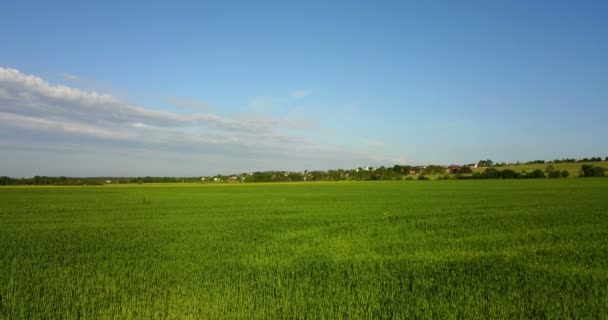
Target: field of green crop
x=402, y=249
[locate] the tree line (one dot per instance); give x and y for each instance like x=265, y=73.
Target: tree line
x=79, y=181
x=396, y=172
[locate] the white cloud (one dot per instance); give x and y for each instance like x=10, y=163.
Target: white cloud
x=34, y=112
x=37, y=97
x=4, y=93
x=8, y=120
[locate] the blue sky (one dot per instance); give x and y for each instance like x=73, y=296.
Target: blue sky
x=220, y=87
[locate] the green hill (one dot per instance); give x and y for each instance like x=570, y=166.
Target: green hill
x=572, y=167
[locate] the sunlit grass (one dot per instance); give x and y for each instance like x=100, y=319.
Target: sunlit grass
x=443, y=249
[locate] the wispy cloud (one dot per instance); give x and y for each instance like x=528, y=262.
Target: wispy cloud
x=261, y=103
x=33, y=110
x=90, y=85
x=375, y=143
x=188, y=104
x=301, y=93
x=71, y=77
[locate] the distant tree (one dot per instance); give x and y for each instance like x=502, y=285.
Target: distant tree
x=382, y=173
x=485, y=163
x=435, y=169
x=552, y=173
x=536, y=174
x=591, y=171
x=399, y=169
x=536, y=162
x=462, y=170
x=586, y=171
x=509, y=174
x=335, y=175
x=475, y=175
x=318, y=175
x=295, y=176
x=422, y=177
x=565, y=174
x=491, y=173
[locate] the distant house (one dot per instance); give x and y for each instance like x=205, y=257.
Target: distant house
x=233, y=179
x=452, y=168
x=417, y=171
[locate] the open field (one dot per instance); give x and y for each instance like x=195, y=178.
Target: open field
x=573, y=168
x=402, y=249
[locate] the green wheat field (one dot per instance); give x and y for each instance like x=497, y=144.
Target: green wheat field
x=402, y=249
